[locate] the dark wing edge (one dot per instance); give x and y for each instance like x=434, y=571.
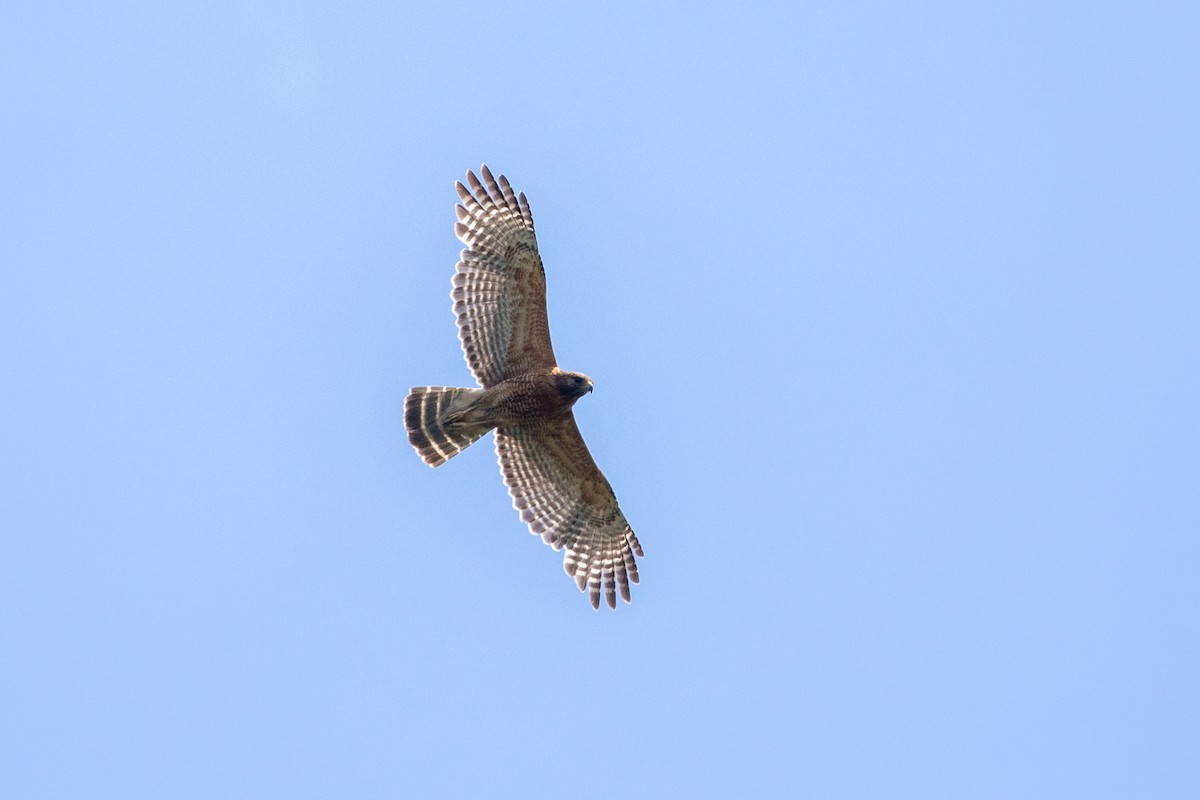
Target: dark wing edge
x=564, y=498
x=499, y=285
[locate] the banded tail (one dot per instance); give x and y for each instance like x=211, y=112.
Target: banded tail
x=434, y=418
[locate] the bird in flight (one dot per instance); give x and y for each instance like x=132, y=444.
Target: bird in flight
x=500, y=302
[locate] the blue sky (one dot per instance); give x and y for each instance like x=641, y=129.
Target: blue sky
x=892, y=312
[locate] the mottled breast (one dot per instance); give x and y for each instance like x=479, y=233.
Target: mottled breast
x=528, y=398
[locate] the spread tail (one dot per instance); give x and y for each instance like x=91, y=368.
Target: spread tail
x=434, y=418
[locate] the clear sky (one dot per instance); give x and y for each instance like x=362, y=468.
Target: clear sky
x=892, y=311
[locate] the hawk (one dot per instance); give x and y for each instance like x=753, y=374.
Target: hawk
x=500, y=301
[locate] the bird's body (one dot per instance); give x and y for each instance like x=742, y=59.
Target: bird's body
x=500, y=301
x=538, y=398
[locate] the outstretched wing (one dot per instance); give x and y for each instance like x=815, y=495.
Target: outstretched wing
x=565, y=499
x=499, y=284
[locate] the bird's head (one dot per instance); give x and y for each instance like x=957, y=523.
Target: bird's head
x=572, y=385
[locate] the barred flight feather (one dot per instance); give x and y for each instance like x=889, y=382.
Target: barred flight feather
x=499, y=284
x=425, y=411
x=583, y=520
